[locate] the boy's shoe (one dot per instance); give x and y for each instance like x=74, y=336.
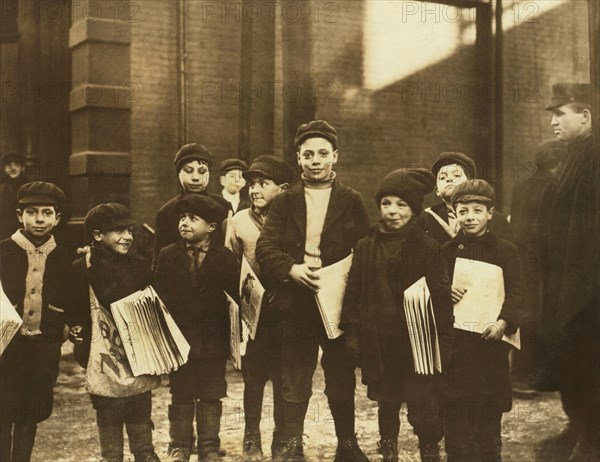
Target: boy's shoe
x=430, y=452
x=348, y=450
x=146, y=457
x=293, y=450
x=277, y=445
x=178, y=455
x=388, y=449
x=213, y=455
x=252, y=451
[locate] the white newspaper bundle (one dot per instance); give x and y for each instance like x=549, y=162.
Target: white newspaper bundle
x=482, y=302
x=239, y=333
x=330, y=297
x=251, y=295
x=10, y=322
x=422, y=328
x=152, y=341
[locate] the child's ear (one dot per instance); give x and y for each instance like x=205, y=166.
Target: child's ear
x=97, y=235
x=298, y=156
x=58, y=217
x=437, y=193
x=284, y=186
x=222, y=180
x=212, y=227
x=490, y=212
x=19, y=213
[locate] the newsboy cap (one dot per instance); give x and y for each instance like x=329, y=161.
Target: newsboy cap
x=233, y=164
x=565, y=93
x=474, y=191
x=106, y=217
x=13, y=157
x=409, y=184
x=205, y=207
x=190, y=152
x=316, y=129
x=270, y=167
x=449, y=158
x=41, y=193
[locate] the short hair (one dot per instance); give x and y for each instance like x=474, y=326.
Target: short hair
x=579, y=107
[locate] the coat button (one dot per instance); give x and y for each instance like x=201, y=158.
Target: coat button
x=33, y=291
x=30, y=313
x=461, y=246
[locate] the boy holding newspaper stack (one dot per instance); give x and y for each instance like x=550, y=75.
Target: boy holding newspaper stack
x=487, y=294
x=267, y=177
x=108, y=272
x=397, y=345
x=192, y=277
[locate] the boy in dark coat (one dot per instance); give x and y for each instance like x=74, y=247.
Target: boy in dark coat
x=233, y=183
x=315, y=223
x=395, y=255
x=112, y=271
x=191, y=277
x=439, y=221
x=36, y=277
x=478, y=381
x=13, y=177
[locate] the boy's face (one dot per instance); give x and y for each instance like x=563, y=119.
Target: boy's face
x=263, y=190
x=13, y=170
x=473, y=217
x=317, y=157
x=194, y=176
x=118, y=240
x=568, y=124
x=233, y=181
x=448, y=178
x=193, y=228
x=395, y=212
x=38, y=220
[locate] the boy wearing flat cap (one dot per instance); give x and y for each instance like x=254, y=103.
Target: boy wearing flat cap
x=267, y=177
x=393, y=256
x=478, y=382
x=191, y=277
x=13, y=177
x=108, y=271
x=570, y=230
x=36, y=277
x=439, y=221
x=233, y=182
x=315, y=223
x=193, y=163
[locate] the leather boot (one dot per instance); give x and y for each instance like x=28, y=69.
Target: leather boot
x=277, y=444
x=348, y=450
x=252, y=450
x=430, y=451
x=389, y=450
x=23, y=440
x=140, y=442
x=293, y=450
x=111, y=442
x=181, y=432
x=208, y=425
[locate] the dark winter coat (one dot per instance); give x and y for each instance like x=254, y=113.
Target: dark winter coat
x=29, y=365
x=379, y=321
x=200, y=312
x=480, y=370
x=498, y=225
x=113, y=277
x=282, y=239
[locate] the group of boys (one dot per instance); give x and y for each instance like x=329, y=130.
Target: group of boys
x=287, y=235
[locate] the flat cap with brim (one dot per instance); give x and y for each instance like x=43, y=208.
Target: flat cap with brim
x=233, y=164
x=205, y=207
x=270, y=167
x=190, y=152
x=449, y=158
x=316, y=129
x=474, y=191
x=40, y=193
x=565, y=93
x=13, y=157
x=106, y=217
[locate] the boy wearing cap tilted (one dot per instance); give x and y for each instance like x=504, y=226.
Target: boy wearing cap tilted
x=109, y=271
x=392, y=257
x=313, y=224
x=233, y=182
x=191, y=277
x=439, y=221
x=36, y=276
x=267, y=177
x=193, y=163
x=478, y=382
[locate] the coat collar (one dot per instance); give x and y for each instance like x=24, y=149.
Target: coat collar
x=19, y=238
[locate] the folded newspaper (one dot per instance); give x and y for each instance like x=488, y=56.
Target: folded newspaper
x=251, y=295
x=482, y=302
x=239, y=333
x=422, y=328
x=10, y=322
x=152, y=341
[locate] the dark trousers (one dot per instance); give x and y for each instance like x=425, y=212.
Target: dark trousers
x=199, y=379
x=423, y=417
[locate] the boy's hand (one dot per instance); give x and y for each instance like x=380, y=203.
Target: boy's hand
x=304, y=276
x=457, y=294
x=75, y=334
x=495, y=331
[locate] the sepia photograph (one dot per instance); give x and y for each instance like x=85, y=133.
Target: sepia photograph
x=300, y=230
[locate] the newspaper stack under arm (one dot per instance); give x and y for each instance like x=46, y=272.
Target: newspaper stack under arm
x=10, y=322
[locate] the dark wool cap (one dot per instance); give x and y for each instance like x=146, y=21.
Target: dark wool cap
x=449, y=158
x=409, y=184
x=474, y=191
x=41, y=193
x=205, y=207
x=190, y=152
x=549, y=153
x=106, y=217
x=270, y=167
x=13, y=157
x=565, y=93
x=316, y=129
x=233, y=164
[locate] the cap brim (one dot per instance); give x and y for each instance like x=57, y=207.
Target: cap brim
x=317, y=134
x=123, y=222
x=249, y=174
x=473, y=198
x=37, y=200
x=557, y=102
